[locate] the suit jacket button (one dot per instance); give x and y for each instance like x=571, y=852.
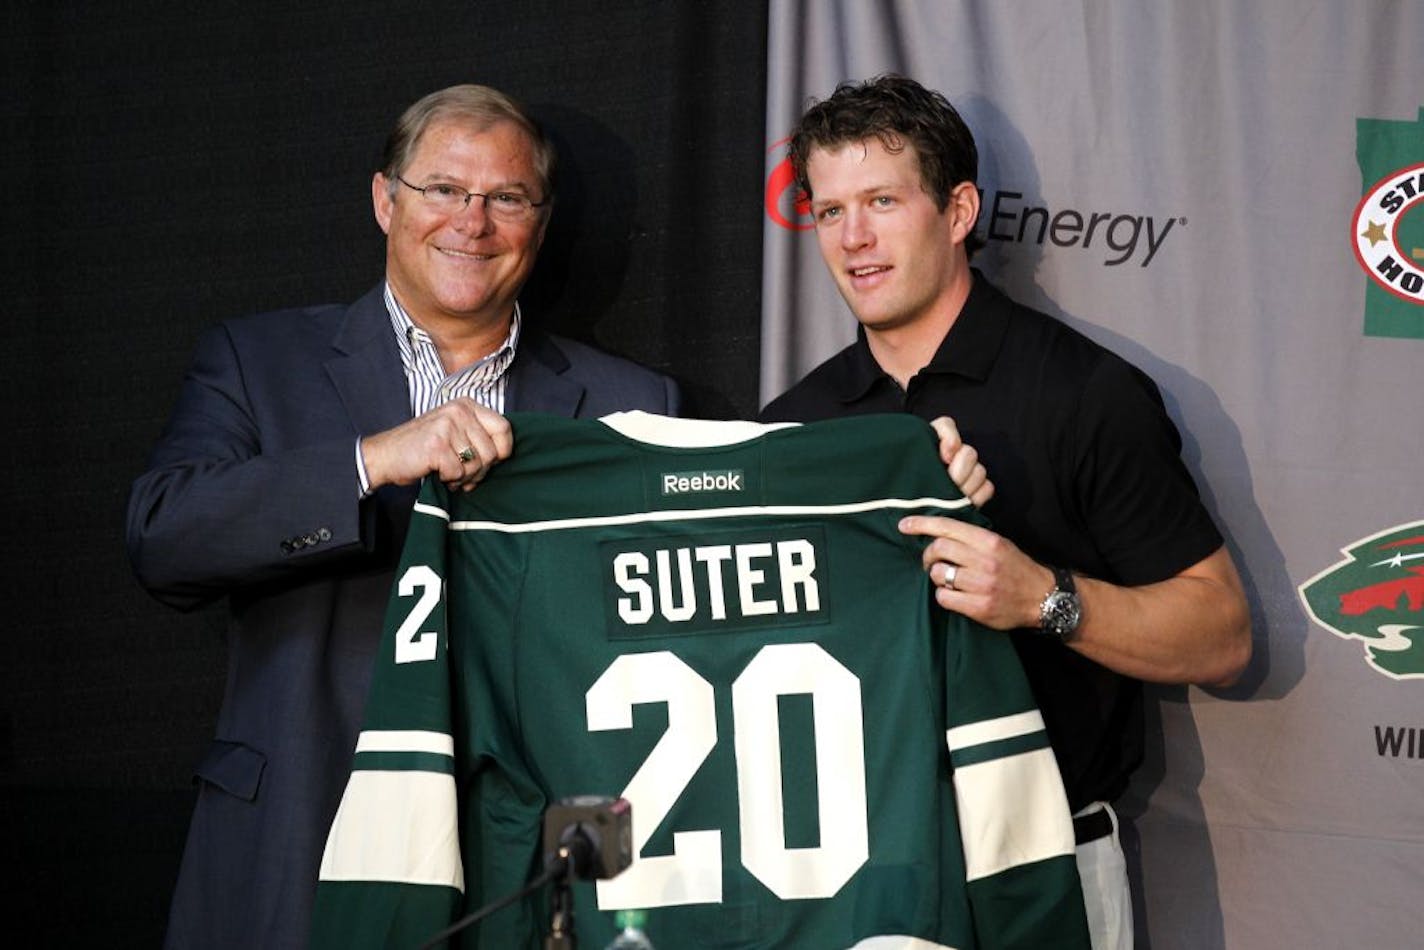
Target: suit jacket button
x=310, y=539
x=324, y=534
x=286, y=546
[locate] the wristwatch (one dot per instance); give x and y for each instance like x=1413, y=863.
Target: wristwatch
x=1061, y=610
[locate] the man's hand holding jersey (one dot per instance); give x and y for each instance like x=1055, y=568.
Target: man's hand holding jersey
x=962, y=463
x=457, y=441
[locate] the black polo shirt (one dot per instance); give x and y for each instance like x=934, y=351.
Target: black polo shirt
x=1088, y=475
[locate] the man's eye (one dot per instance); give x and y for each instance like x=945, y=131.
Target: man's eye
x=507, y=198
x=445, y=191
x=825, y=214
x=883, y=201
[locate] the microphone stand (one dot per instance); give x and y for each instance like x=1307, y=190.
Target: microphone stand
x=561, y=903
x=586, y=837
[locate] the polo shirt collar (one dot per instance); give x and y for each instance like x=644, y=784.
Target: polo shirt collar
x=972, y=345
x=969, y=349
x=856, y=372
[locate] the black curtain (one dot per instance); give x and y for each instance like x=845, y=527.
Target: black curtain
x=170, y=165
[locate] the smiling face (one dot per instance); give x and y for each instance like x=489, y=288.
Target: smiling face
x=898, y=260
x=464, y=268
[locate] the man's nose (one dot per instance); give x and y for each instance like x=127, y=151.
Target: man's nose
x=474, y=218
x=856, y=231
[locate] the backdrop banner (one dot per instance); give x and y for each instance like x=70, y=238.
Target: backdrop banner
x=1231, y=196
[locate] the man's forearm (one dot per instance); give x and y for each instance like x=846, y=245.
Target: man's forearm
x=1191, y=628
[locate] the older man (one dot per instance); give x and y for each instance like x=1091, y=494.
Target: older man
x=285, y=478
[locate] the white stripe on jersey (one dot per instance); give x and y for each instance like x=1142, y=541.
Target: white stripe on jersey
x=1012, y=811
x=994, y=730
x=405, y=740
x=693, y=514
x=399, y=827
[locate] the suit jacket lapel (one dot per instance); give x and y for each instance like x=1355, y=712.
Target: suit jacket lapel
x=536, y=380
x=366, y=370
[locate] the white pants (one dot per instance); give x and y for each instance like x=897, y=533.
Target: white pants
x=1106, y=894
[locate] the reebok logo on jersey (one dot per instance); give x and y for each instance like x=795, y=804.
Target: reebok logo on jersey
x=683, y=483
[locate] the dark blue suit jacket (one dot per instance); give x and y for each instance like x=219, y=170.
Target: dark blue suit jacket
x=252, y=494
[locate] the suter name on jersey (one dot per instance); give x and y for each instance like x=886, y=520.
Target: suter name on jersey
x=700, y=582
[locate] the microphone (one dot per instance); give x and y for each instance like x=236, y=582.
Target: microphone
x=588, y=837
x=598, y=832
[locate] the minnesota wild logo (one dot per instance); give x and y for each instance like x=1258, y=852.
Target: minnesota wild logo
x=1376, y=596
x=1389, y=225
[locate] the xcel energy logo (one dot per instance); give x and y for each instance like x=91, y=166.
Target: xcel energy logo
x=1116, y=237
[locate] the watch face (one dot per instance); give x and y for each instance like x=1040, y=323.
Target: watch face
x=1061, y=613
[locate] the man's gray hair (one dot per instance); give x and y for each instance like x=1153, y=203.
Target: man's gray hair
x=478, y=106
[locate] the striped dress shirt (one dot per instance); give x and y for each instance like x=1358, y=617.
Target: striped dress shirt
x=484, y=381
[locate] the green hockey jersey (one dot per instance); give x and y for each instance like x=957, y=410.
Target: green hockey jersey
x=720, y=623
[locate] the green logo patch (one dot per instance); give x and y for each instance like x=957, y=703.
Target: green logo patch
x=1389, y=225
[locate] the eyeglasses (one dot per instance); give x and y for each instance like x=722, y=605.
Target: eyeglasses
x=452, y=199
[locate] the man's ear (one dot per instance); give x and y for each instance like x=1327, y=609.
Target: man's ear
x=963, y=210
x=381, y=201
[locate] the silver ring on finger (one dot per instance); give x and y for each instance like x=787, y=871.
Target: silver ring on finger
x=950, y=572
